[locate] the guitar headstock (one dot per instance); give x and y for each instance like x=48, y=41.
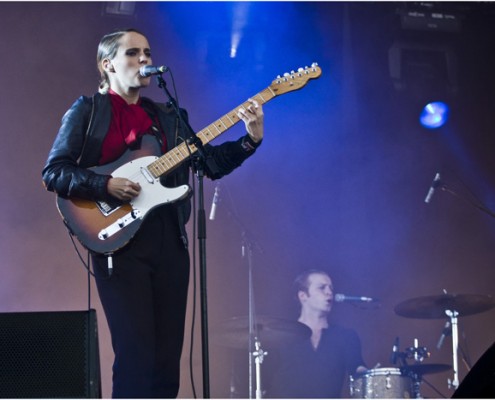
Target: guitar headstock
x=296, y=79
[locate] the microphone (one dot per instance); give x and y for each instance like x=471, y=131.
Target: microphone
x=436, y=183
x=340, y=298
x=445, y=332
x=149, y=70
x=395, y=351
x=214, y=202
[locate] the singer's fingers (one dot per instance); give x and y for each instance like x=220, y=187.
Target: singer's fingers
x=253, y=108
x=123, y=188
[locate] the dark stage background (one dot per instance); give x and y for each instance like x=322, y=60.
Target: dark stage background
x=339, y=183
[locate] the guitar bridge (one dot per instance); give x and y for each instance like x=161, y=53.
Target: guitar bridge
x=120, y=224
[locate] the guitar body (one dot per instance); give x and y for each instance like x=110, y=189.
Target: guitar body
x=103, y=227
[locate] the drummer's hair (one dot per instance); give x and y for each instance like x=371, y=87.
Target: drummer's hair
x=301, y=283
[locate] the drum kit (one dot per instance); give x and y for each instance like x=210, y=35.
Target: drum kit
x=403, y=381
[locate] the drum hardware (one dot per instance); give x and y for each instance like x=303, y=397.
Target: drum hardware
x=259, y=355
x=416, y=352
x=415, y=371
x=451, y=306
x=452, y=314
x=240, y=332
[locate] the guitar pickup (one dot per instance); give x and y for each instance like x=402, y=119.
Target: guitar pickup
x=107, y=207
x=120, y=224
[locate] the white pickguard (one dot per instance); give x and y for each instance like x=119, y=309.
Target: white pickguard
x=153, y=193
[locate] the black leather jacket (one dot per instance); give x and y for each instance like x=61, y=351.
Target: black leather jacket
x=79, y=141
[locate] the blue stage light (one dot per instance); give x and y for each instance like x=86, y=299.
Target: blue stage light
x=434, y=115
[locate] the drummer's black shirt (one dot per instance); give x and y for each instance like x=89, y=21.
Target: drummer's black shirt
x=300, y=371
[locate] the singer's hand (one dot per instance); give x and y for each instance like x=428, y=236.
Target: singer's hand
x=253, y=119
x=123, y=189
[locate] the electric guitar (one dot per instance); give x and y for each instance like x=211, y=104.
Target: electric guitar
x=104, y=228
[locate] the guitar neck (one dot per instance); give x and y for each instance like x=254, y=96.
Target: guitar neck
x=287, y=83
x=183, y=151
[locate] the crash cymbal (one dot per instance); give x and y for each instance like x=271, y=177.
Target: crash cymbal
x=271, y=332
x=423, y=369
x=435, y=306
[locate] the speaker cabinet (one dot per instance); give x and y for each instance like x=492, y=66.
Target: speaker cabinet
x=49, y=355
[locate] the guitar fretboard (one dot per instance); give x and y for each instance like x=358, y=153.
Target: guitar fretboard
x=183, y=151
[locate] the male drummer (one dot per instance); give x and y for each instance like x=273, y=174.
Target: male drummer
x=317, y=366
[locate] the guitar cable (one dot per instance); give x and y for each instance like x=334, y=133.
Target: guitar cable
x=193, y=263
x=194, y=273
x=86, y=264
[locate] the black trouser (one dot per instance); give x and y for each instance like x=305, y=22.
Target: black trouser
x=145, y=302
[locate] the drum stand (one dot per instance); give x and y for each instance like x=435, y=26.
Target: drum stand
x=254, y=351
x=419, y=354
x=455, y=348
x=415, y=371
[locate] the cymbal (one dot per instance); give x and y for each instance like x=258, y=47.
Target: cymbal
x=432, y=307
x=270, y=331
x=423, y=369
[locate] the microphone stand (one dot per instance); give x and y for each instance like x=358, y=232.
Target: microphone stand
x=254, y=344
x=199, y=163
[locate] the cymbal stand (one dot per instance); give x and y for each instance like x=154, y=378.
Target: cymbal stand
x=251, y=313
x=254, y=343
x=452, y=314
x=259, y=354
x=248, y=245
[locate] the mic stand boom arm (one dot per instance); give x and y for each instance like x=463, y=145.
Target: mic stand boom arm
x=199, y=163
x=480, y=207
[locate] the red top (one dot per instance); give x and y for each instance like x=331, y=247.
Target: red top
x=129, y=122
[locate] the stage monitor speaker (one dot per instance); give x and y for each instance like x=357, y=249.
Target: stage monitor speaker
x=479, y=383
x=49, y=355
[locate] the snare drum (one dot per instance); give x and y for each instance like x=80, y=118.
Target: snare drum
x=381, y=383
